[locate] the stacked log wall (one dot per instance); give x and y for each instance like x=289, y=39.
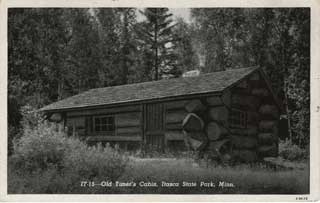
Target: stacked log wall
x=202, y=123
x=194, y=124
x=246, y=143
x=175, y=112
x=244, y=138
x=198, y=121
x=128, y=124
x=268, y=124
x=259, y=138
x=217, y=128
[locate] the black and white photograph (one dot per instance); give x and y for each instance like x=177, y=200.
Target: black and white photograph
x=158, y=100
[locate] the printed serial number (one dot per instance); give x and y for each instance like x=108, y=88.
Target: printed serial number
x=301, y=198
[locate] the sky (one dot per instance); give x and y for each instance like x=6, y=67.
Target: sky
x=177, y=12
x=182, y=12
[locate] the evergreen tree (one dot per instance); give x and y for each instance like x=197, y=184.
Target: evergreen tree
x=84, y=53
x=109, y=29
x=184, y=46
x=156, y=34
x=276, y=39
x=54, y=53
x=127, y=42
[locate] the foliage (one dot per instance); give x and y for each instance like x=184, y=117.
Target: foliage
x=45, y=160
x=39, y=148
x=31, y=117
x=276, y=39
x=54, y=53
x=291, y=151
x=128, y=44
x=247, y=180
x=184, y=48
x=157, y=35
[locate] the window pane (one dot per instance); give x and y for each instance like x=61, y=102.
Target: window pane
x=238, y=118
x=97, y=121
x=111, y=121
x=105, y=123
x=104, y=128
x=111, y=127
x=104, y=120
x=97, y=128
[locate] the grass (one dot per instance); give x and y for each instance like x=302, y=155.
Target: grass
x=245, y=179
x=49, y=162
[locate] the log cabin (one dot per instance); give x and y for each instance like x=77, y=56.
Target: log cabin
x=232, y=113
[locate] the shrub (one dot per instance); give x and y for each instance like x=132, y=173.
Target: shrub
x=39, y=148
x=31, y=117
x=94, y=161
x=13, y=133
x=290, y=151
x=47, y=161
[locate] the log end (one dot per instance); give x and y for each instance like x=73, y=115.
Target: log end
x=192, y=122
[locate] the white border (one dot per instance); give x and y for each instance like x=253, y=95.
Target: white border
x=314, y=80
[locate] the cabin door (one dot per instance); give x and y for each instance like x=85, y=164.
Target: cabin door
x=154, y=125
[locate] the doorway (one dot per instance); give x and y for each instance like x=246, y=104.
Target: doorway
x=154, y=126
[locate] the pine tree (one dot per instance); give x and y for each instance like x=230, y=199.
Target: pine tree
x=273, y=38
x=156, y=34
x=84, y=57
x=109, y=29
x=127, y=42
x=184, y=46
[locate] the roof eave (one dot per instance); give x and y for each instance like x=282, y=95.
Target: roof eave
x=133, y=102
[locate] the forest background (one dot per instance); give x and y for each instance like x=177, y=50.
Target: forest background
x=54, y=53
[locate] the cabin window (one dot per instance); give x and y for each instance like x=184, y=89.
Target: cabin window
x=104, y=123
x=238, y=118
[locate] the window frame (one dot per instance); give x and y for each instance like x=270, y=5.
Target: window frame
x=113, y=128
x=241, y=121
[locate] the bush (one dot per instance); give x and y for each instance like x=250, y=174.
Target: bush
x=290, y=151
x=31, y=117
x=39, y=148
x=13, y=133
x=94, y=161
x=47, y=161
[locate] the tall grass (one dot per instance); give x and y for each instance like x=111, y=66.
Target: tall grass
x=46, y=161
x=246, y=179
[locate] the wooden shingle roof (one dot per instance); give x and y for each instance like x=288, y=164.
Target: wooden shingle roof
x=207, y=83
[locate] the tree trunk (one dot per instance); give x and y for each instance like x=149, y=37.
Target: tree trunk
x=156, y=47
x=287, y=111
x=60, y=89
x=125, y=50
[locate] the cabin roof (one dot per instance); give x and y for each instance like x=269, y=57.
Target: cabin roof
x=214, y=82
